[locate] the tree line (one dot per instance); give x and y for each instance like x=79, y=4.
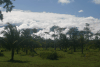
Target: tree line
x=23, y=39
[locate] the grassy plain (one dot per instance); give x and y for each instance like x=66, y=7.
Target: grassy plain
x=92, y=59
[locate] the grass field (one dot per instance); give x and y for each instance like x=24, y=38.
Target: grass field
x=92, y=59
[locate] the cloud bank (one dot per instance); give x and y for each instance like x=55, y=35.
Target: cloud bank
x=65, y=1
x=45, y=20
x=96, y=1
x=80, y=11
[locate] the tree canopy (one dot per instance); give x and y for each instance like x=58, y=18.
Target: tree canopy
x=8, y=5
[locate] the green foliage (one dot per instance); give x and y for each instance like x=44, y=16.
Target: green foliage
x=88, y=54
x=83, y=55
x=32, y=54
x=96, y=50
x=1, y=54
x=51, y=49
x=49, y=55
x=2, y=50
x=11, y=36
x=61, y=55
x=70, y=52
x=65, y=50
x=8, y=5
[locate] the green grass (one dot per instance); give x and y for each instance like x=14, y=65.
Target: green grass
x=69, y=60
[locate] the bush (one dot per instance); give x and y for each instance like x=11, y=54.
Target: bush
x=51, y=49
x=86, y=55
x=83, y=55
x=1, y=54
x=2, y=50
x=49, y=55
x=61, y=55
x=32, y=54
x=65, y=50
x=43, y=55
x=70, y=52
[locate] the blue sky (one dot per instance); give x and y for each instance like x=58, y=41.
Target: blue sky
x=89, y=7
x=46, y=13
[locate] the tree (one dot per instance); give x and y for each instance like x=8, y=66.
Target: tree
x=11, y=38
x=46, y=38
x=59, y=31
x=20, y=40
x=26, y=34
x=81, y=42
x=63, y=41
x=88, y=32
x=97, y=35
x=54, y=35
x=97, y=40
x=73, y=33
x=8, y=5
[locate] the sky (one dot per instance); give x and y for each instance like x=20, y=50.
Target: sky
x=46, y=13
x=81, y=8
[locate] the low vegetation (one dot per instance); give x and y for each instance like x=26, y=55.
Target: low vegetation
x=49, y=55
x=51, y=59
x=1, y=54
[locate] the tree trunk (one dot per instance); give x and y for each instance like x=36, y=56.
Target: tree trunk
x=69, y=48
x=54, y=42
x=26, y=51
x=17, y=51
x=12, y=55
x=74, y=48
x=34, y=51
x=60, y=48
x=66, y=49
x=74, y=45
x=22, y=48
x=31, y=49
x=46, y=47
x=54, y=46
x=82, y=48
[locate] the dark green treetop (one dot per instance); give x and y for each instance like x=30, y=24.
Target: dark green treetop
x=8, y=5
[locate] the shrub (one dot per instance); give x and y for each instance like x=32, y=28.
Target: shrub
x=70, y=52
x=87, y=55
x=22, y=53
x=83, y=55
x=61, y=55
x=32, y=54
x=1, y=54
x=49, y=55
x=51, y=49
x=2, y=50
x=65, y=50
x=43, y=55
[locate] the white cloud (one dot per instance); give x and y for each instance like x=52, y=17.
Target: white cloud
x=65, y=1
x=96, y=1
x=44, y=20
x=80, y=11
x=0, y=8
